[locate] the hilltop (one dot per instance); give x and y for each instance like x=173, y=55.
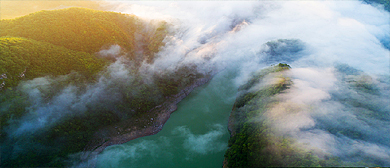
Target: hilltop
x=85, y=30
x=33, y=45
x=263, y=122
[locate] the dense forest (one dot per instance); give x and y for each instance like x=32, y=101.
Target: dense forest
x=11, y=9
x=86, y=30
x=256, y=142
x=54, y=65
x=23, y=58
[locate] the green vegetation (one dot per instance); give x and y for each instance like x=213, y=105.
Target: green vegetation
x=11, y=9
x=13, y=104
x=22, y=58
x=47, y=52
x=256, y=143
x=171, y=83
x=85, y=30
x=74, y=28
x=32, y=45
x=360, y=87
x=253, y=142
x=75, y=130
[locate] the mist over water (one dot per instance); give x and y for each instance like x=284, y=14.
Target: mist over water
x=339, y=104
x=338, y=51
x=194, y=136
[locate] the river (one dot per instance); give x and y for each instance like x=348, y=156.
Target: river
x=195, y=136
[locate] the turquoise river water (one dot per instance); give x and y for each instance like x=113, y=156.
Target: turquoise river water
x=195, y=136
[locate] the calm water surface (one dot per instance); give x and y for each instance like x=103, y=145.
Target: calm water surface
x=195, y=136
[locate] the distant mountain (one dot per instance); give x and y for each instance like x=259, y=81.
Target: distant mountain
x=385, y=3
x=11, y=9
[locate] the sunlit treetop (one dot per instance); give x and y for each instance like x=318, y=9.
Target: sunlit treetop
x=74, y=28
x=10, y=9
x=22, y=58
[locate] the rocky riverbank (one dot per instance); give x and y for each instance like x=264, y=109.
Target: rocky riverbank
x=129, y=129
x=231, y=131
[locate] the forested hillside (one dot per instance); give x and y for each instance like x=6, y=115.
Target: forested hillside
x=74, y=36
x=22, y=58
x=265, y=124
x=85, y=30
x=11, y=9
x=254, y=143
x=65, y=74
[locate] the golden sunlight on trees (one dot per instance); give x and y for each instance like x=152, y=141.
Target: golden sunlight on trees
x=87, y=30
x=12, y=9
x=26, y=58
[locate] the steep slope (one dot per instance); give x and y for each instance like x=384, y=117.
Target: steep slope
x=63, y=83
x=85, y=30
x=254, y=143
x=22, y=58
x=330, y=118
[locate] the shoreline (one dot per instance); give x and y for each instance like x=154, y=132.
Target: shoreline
x=125, y=131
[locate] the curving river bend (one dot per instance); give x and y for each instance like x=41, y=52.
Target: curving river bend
x=196, y=134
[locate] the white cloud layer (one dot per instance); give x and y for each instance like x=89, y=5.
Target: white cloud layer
x=332, y=32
